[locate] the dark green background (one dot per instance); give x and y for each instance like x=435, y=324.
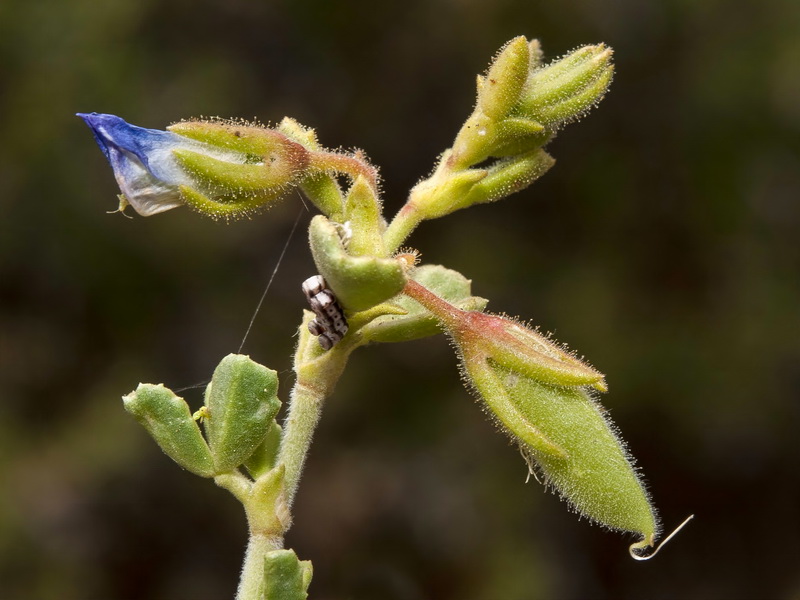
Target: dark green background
x=664, y=246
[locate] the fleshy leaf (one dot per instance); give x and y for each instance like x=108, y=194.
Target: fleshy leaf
x=169, y=421
x=242, y=403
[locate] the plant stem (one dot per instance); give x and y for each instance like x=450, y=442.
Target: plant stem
x=316, y=377
x=401, y=226
x=305, y=408
x=251, y=583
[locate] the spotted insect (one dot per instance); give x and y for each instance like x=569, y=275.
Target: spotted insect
x=329, y=323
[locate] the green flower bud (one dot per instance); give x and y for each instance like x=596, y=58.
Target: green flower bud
x=359, y=282
x=538, y=394
x=242, y=403
x=363, y=212
x=412, y=321
x=285, y=576
x=508, y=176
x=566, y=89
x=573, y=443
x=502, y=86
x=167, y=418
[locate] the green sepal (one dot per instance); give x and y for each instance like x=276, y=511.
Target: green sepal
x=359, y=282
x=324, y=192
x=575, y=106
x=517, y=136
x=437, y=196
x=285, y=576
x=585, y=72
x=227, y=207
x=227, y=177
x=596, y=477
x=500, y=405
x=536, y=54
x=242, y=402
x=257, y=142
x=363, y=212
x=507, y=176
x=416, y=322
x=264, y=457
x=501, y=88
x=167, y=418
x=475, y=141
x=511, y=345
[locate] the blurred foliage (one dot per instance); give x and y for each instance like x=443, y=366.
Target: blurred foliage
x=663, y=245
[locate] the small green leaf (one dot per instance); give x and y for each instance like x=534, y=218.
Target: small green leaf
x=169, y=421
x=286, y=577
x=242, y=403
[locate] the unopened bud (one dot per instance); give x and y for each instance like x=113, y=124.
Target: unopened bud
x=567, y=88
x=540, y=395
x=501, y=88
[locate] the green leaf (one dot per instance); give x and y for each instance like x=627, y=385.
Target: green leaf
x=169, y=421
x=242, y=403
x=286, y=577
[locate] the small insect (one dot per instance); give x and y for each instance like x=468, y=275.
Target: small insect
x=329, y=324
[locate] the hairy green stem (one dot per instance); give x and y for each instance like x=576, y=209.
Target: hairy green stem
x=401, y=227
x=251, y=583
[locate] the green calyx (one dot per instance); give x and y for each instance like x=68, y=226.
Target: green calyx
x=501, y=88
x=359, y=282
x=573, y=443
x=566, y=89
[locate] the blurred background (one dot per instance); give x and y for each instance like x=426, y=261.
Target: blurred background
x=664, y=246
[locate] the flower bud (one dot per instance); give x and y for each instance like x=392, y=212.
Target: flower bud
x=572, y=442
x=539, y=394
x=507, y=176
x=501, y=88
x=242, y=403
x=167, y=418
x=220, y=169
x=567, y=88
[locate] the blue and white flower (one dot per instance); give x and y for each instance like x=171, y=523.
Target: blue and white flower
x=146, y=165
